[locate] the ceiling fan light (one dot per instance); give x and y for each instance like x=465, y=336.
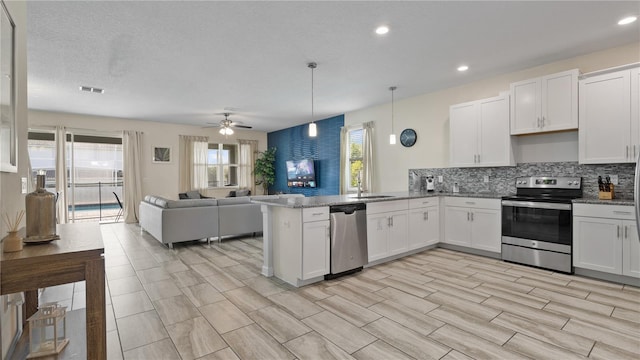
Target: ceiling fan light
x=226, y=131
x=313, y=130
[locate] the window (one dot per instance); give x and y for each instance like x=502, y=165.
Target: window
x=222, y=165
x=354, y=155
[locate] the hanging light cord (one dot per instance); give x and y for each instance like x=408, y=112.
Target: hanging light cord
x=312, y=66
x=392, y=88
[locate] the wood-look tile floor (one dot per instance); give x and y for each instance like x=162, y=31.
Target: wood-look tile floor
x=196, y=302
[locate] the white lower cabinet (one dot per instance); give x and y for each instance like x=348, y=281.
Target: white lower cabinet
x=301, y=240
x=630, y=250
x=605, y=239
x=387, y=229
x=424, y=222
x=473, y=223
x=315, y=249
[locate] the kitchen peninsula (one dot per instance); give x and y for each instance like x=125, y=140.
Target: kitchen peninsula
x=296, y=230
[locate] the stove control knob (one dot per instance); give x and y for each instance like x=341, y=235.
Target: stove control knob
x=576, y=182
x=569, y=182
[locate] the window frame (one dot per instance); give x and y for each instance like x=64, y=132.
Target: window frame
x=349, y=158
x=220, y=165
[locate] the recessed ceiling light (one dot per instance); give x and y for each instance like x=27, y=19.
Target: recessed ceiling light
x=381, y=30
x=463, y=68
x=627, y=20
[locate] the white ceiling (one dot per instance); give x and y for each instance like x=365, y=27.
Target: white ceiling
x=186, y=62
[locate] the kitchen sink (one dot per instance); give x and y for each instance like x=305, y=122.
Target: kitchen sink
x=370, y=196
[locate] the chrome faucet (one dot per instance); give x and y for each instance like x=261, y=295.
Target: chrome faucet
x=359, y=186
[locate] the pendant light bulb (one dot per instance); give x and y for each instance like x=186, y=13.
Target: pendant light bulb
x=313, y=129
x=392, y=137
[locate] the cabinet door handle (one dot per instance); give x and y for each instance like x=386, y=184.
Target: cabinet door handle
x=471, y=216
x=425, y=216
x=474, y=158
x=618, y=227
x=622, y=212
x=626, y=232
x=478, y=158
x=538, y=122
x=542, y=121
x=391, y=218
x=627, y=152
x=470, y=202
x=468, y=217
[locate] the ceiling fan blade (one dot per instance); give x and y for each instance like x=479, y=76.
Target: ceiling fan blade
x=241, y=126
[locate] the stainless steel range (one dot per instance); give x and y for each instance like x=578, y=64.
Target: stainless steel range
x=537, y=222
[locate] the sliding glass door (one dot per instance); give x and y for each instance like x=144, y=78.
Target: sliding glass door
x=94, y=172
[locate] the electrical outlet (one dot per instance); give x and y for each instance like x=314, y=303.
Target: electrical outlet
x=24, y=185
x=440, y=180
x=614, y=179
x=486, y=178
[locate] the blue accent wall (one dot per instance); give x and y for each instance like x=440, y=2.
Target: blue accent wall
x=295, y=144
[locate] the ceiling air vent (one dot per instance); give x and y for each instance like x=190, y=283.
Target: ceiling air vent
x=92, y=89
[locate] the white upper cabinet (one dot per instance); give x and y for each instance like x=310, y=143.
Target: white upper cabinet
x=548, y=103
x=479, y=133
x=609, y=130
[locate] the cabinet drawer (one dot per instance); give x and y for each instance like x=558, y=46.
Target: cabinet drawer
x=604, y=211
x=315, y=214
x=387, y=206
x=477, y=203
x=423, y=202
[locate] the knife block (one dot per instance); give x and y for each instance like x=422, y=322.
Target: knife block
x=606, y=195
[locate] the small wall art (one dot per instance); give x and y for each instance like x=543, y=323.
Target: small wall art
x=161, y=154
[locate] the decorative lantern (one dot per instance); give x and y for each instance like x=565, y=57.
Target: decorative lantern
x=47, y=330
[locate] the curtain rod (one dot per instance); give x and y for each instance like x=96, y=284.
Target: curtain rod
x=72, y=129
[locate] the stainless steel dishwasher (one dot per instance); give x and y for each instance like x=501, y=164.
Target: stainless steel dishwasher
x=348, y=239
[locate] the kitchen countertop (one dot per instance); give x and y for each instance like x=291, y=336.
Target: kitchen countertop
x=317, y=201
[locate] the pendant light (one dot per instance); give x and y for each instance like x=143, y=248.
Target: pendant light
x=392, y=137
x=313, y=128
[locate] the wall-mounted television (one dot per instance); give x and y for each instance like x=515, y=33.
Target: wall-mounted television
x=301, y=173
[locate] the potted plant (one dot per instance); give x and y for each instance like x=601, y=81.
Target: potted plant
x=264, y=169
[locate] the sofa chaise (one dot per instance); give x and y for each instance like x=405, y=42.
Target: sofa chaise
x=171, y=221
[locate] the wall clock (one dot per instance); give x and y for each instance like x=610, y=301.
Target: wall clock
x=408, y=137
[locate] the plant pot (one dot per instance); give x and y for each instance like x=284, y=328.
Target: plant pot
x=12, y=242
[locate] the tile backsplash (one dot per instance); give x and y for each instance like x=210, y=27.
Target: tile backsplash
x=502, y=179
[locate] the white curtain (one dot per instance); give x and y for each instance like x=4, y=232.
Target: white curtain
x=61, y=175
x=248, y=150
x=344, y=162
x=367, y=157
x=193, y=162
x=132, y=154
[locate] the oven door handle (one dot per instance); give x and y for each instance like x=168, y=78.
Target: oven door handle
x=536, y=205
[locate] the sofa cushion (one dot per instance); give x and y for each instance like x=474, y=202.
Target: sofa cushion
x=193, y=194
x=234, y=201
x=263, y=197
x=174, y=204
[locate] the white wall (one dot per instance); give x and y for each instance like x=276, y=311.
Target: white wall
x=428, y=114
x=157, y=179
x=11, y=200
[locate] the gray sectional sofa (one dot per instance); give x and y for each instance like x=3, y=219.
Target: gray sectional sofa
x=171, y=221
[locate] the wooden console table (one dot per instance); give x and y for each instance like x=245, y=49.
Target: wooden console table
x=77, y=256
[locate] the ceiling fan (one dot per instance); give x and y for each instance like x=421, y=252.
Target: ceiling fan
x=226, y=125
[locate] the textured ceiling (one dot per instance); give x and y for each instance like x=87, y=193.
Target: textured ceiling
x=185, y=62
